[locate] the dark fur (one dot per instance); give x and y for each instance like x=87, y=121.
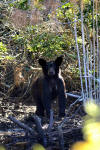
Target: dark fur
x=48, y=87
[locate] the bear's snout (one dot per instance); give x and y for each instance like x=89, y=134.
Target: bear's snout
x=51, y=71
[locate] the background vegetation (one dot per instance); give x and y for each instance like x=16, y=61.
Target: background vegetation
x=30, y=29
x=33, y=29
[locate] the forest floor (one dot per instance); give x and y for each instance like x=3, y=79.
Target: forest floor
x=16, y=102
x=11, y=135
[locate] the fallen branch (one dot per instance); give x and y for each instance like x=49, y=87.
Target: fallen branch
x=73, y=95
x=22, y=125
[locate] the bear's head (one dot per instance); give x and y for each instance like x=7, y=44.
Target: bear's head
x=51, y=68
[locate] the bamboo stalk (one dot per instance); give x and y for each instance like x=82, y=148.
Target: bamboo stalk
x=79, y=62
x=91, y=64
x=98, y=53
x=90, y=61
x=94, y=52
x=89, y=81
x=84, y=52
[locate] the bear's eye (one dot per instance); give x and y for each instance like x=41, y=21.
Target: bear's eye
x=51, y=64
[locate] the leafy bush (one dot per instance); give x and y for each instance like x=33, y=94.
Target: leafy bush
x=47, y=44
x=41, y=41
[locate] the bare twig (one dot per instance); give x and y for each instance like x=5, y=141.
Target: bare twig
x=79, y=61
x=61, y=138
x=84, y=51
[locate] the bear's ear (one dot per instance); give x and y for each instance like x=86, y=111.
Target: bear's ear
x=59, y=60
x=42, y=62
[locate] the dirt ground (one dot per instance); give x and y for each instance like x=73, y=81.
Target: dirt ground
x=11, y=135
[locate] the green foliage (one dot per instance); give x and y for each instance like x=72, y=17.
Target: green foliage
x=18, y=39
x=65, y=13
x=4, y=52
x=88, y=14
x=41, y=0
x=22, y=4
x=9, y=57
x=63, y=1
x=40, y=41
x=3, y=48
x=47, y=44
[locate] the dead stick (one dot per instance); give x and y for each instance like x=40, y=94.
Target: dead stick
x=22, y=125
x=40, y=130
x=61, y=138
x=51, y=121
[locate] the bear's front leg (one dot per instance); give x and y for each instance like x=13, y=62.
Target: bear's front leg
x=46, y=97
x=61, y=97
x=39, y=108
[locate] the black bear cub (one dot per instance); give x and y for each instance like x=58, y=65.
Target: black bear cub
x=48, y=87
